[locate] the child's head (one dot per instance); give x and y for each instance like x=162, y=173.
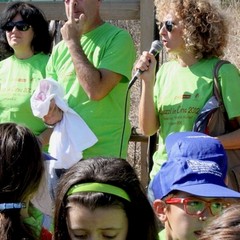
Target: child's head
x=21, y=169
x=190, y=186
x=21, y=163
x=103, y=196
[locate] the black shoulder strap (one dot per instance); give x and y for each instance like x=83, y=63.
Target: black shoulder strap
x=216, y=86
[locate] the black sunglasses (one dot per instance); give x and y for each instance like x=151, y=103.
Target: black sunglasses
x=20, y=25
x=169, y=25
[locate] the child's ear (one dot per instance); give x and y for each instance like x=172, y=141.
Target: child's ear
x=159, y=207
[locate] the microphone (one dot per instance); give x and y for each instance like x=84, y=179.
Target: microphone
x=156, y=47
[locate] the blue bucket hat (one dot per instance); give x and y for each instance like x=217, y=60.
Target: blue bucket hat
x=197, y=164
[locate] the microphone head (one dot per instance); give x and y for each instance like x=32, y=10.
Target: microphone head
x=156, y=47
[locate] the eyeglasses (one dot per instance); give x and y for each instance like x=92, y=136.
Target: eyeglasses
x=20, y=25
x=194, y=206
x=169, y=25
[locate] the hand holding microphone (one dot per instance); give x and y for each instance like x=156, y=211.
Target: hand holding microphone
x=156, y=47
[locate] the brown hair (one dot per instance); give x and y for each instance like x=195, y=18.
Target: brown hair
x=21, y=169
x=116, y=172
x=204, y=28
x=225, y=226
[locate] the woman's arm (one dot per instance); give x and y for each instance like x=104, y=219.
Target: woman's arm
x=231, y=140
x=148, y=120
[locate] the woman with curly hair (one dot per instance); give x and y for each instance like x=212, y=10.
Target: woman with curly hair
x=194, y=34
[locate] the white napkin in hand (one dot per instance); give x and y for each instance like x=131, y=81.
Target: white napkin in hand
x=71, y=135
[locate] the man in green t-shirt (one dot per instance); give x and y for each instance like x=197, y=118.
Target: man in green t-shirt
x=93, y=63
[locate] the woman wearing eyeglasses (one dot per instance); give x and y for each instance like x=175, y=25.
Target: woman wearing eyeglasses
x=194, y=34
x=26, y=41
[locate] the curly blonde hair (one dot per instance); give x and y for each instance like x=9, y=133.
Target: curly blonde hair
x=204, y=28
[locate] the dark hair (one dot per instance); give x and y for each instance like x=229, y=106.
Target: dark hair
x=117, y=172
x=21, y=169
x=224, y=226
x=42, y=40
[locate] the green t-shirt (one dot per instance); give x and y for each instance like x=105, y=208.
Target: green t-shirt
x=18, y=80
x=110, y=48
x=40, y=224
x=181, y=92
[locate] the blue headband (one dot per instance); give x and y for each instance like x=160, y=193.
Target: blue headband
x=4, y=206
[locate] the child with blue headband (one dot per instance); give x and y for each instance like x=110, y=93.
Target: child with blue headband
x=102, y=198
x=21, y=171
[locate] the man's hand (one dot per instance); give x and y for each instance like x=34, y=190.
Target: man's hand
x=74, y=27
x=54, y=115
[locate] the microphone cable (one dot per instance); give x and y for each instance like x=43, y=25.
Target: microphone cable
x=124, y=122
x=156, y=47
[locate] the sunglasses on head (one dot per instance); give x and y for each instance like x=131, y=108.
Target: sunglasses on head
x=169, y=25
x=20, y=25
